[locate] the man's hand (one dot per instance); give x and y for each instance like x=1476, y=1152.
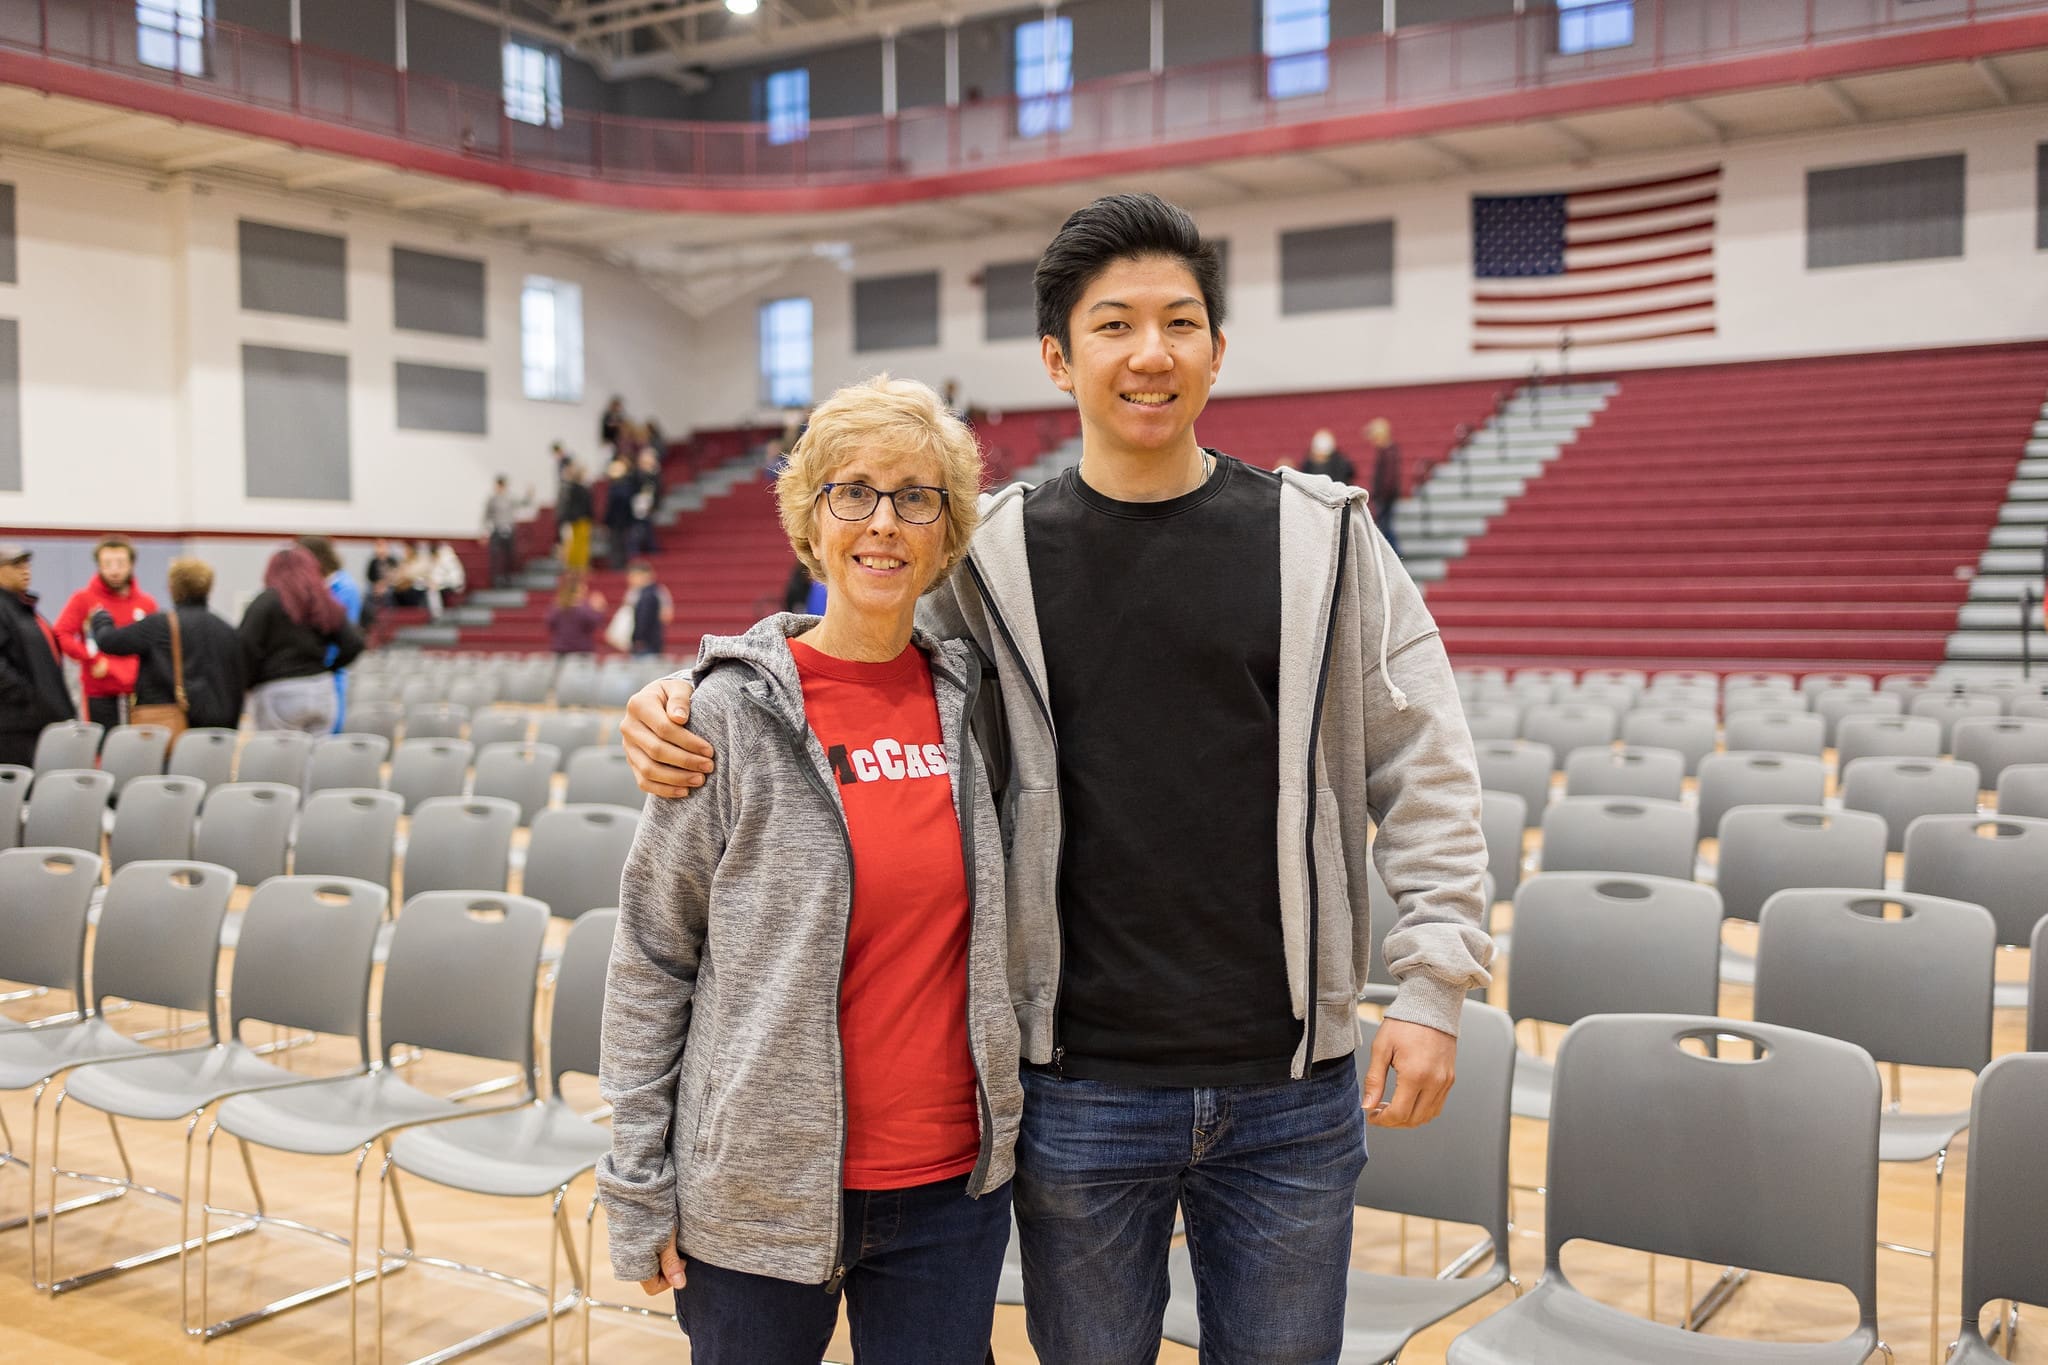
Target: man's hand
x=1425, y=1062
x=667, y=759
x=671, y=1276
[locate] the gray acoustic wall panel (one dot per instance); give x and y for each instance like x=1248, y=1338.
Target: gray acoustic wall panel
x=7, y=266
x=1884, y=211
x=431, y=293
x=1010, y=311
x=295, y=423
x=10, y=406
x=441, y=398
x=1348, y=266
x=892, y=312
x=2041, y=196
x=285, y=270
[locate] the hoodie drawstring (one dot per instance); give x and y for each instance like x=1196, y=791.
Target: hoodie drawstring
x=1379, y=573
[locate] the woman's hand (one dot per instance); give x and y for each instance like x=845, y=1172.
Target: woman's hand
x=671, y=1276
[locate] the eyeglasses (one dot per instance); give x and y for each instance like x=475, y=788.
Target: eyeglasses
x=916, y=504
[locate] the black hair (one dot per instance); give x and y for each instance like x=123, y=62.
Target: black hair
x=1120, y=227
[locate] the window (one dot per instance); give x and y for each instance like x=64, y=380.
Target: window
x=787, y=95
x=551, y=339
x=1045, y=72
x=171, y=34
x=533, y=85
x=786, y=353
x=1296, y=43
x=1590, y=25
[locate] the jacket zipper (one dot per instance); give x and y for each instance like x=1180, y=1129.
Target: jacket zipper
x=1059, y=976
x=1314, y=1000
x=810, y=771
x=977, y=1180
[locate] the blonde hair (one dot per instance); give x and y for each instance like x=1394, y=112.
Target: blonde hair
x=899, y=416
x=191, y=581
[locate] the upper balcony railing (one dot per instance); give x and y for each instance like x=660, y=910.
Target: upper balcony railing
x=1411, y=68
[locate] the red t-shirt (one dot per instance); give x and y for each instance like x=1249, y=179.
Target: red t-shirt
x=912, y=1116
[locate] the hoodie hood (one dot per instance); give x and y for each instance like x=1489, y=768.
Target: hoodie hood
x=764, y=648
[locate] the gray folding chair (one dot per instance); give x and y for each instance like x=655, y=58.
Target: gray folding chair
x=2006, y=1205
x=347, y=761
x=134, y=751
x=1946, y=708
x=1749, y=697
x=1768, y=849
x=1757, y=779
x=527, y=682
x=1770, y=1165
x=1997, y=861
x=1502, y=819
x=1686, y=677
x=1814, y=685
x=576, y=685
x=459, y=980
x=2023, y=790
x=1635, y=679
x=348, y=832
x=2037, y=1000
x=499, y=725
x=207, y=753
x=277, y=756
x=302, y=962
x=473, y=694
x=158, y=943
x=520, y=773
x=423, y=769
x=1608, y=943
x=1519, y=766
x=435, y=720
x=422, y=688
x=1886, y=737
x=1690, y=731
x=461, y=843
x=155, y=820
x=376, y=718
x=1907, y=685
x=14, y=780
x=1914, y=990
x=576, y=856
x=1493, y=719
x=1601, y=770
x=1620, y=834
x=1783, y=682
x=1616, y=698
x=1837, y=704
x=65, y=745
x=1455, y=1170
x=1776, y=731
x=600, y=775
x=1546, y=682
x=67, y=808
x=247, y=826
x=1995, y=743
x=45, y=898
x=1904, y=789
x=535, y=1151
x=1565, y=726
x=568, y=731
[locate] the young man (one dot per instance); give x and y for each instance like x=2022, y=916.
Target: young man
x=108, y=680
x=1214, y=681
x=32, y=690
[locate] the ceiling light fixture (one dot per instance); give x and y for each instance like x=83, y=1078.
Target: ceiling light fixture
x=742, y=6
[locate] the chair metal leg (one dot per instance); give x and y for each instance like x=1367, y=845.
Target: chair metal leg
x=1934, y=1262
x=590, y=1301
x=1717, y=1296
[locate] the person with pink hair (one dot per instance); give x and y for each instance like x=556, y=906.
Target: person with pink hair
x=286, y=633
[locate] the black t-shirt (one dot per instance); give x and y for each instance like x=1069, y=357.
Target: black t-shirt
x=1161, y=628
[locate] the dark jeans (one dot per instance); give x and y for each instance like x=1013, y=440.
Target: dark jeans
x=503, y=557
x=1383, y=517
x=105, y=711
x=921, y=1272
x=1263, y=1175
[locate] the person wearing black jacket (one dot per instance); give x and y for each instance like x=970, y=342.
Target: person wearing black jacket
x=285, y=634
x=32, y=691
x=572, y=518
x=211, y=648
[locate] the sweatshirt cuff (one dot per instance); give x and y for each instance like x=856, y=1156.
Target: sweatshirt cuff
x=1424, y=999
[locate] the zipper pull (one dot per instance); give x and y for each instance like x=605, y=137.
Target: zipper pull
x=1059, y=1062
x=838, y=1278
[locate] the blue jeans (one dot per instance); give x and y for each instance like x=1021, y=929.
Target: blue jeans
x=921, y=1272
x=1263, y=1175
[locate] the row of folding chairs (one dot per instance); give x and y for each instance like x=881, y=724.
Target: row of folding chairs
x=574, y=681
x=491, y=725
x=460, y=980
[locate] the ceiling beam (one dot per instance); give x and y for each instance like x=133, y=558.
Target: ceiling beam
x=1833, y=92
x=1994, y=80
x=1446, y=153
x=1699, y=118
x=532, y=211
x=871, y=21
x=336, y=175
x=445, y=194
x=92, y=130
x=1575, y=142
x=490, y=14
x=222, y=154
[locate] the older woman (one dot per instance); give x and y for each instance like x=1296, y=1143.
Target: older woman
x=808, y=1043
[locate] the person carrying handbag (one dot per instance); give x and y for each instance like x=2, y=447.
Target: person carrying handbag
x=190, y=670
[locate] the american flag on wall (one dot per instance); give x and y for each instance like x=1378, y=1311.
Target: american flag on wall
x=1631, y=262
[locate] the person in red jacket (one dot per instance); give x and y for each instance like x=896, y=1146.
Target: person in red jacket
x=109, y=680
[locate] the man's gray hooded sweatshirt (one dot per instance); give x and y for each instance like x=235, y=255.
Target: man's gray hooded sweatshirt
x=721, y=1053
x=1371, y=733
